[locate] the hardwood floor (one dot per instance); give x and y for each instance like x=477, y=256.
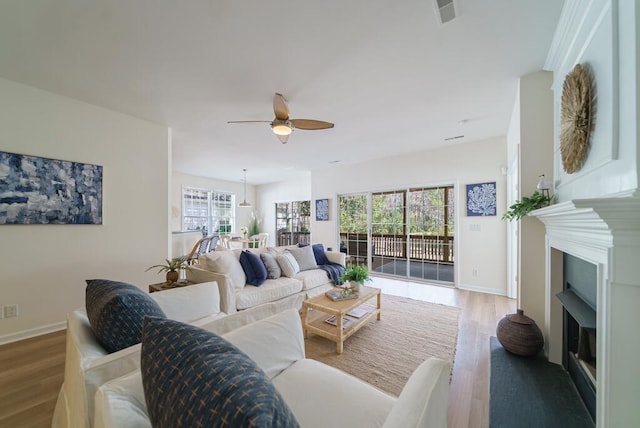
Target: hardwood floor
x=31, y=371
x=469, y=395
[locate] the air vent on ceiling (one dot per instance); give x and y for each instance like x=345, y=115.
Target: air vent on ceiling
x=457, y=137
x=445, y=11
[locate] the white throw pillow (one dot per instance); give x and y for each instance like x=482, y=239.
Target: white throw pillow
x=226, y=262
x=288, y=264
x=304, y=256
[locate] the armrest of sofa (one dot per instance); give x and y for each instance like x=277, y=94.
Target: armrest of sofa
x=336, y=257
x=188, y=304
x=424, y=398
x=225, y=286
x=121, y=403
x=224, y=325
x=87, y=366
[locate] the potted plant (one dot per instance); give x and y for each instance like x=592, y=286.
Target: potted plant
x=528, y=204
x=356, y=275
x=254, y=226
x=171, y=267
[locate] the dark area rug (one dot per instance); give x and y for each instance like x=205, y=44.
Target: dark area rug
x=532, y=392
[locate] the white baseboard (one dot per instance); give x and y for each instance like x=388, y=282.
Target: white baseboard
x=496, y=291
x=27, y=334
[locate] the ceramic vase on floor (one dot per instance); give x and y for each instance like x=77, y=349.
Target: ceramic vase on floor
x=520, y=334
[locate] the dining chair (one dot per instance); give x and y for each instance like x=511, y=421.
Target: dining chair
x=204, y=245
x=225, y=241
x=263, y=239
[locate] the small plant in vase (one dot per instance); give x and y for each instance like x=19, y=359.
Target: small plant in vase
x=245, y=231
x=356, y=275
x=171, y=267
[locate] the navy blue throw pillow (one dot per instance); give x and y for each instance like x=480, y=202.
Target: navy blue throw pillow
x=192, y=377
x=116, y=311
x=253, y=267
x=318, y=252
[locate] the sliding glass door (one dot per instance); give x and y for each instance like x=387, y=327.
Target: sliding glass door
x=407, y=232
x=389, y=232
x=354, y=227
x=431, y=233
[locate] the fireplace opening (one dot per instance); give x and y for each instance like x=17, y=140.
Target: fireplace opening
x=579, y=299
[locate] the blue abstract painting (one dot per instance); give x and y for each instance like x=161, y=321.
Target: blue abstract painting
x=481, y=199
x=35, y=190
x=322, y=209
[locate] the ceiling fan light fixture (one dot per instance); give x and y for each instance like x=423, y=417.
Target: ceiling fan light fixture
x=281, y=127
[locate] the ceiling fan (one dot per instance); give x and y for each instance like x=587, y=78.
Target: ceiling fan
x=283, y=125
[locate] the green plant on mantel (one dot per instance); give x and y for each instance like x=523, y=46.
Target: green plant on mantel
x=526, y=205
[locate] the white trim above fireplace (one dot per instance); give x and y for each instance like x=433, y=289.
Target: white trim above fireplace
x=605, y=232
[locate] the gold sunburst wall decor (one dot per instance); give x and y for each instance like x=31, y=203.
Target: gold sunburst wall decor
x=576, y=118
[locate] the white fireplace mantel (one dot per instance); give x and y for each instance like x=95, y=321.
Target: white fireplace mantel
x=605, y=232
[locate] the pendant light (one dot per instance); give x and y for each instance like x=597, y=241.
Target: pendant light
x=244, y=203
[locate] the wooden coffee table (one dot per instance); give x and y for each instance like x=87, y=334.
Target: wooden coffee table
x=340, y=308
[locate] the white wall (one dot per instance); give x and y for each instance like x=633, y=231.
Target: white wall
x=461, y=164
x=243, y=215
x=603, y=35
x=44, y=267
x=530, y=144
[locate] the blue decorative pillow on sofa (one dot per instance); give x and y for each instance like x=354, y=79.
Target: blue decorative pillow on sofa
x=193, y=377
x=253, y=268
x=318, y=252
x=116, y=311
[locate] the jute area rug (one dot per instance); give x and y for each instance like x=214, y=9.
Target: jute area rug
x=384, y=353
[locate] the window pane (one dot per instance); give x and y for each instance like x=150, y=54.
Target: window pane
x=215, y=211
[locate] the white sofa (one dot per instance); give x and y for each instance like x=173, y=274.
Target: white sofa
x=88, y=365
x=237, y=295
x=317, y=394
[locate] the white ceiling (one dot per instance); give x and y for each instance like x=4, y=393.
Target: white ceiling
x=390, y=78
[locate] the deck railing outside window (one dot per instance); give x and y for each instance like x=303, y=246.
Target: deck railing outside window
x=421, y=247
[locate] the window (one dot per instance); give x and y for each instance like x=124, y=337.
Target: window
x=293, y=220
x=209, y=209
x=403, y=232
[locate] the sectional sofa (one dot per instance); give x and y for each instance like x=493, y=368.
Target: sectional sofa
x=88, y=364
x=294, y=277
x=316, y=394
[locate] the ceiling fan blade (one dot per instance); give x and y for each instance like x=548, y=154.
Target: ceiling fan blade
x=283, y=138
x=280, y=107
x=248, y=121
x=310, y=124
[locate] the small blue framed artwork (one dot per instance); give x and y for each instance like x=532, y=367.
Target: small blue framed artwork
x=322, y=209
x=37, y=190
x=481, y=199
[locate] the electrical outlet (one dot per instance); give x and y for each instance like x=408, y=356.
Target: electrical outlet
x=10, y=311
x=474, y=273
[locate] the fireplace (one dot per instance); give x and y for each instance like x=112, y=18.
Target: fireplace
x=579, y=344
x=604, y=233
